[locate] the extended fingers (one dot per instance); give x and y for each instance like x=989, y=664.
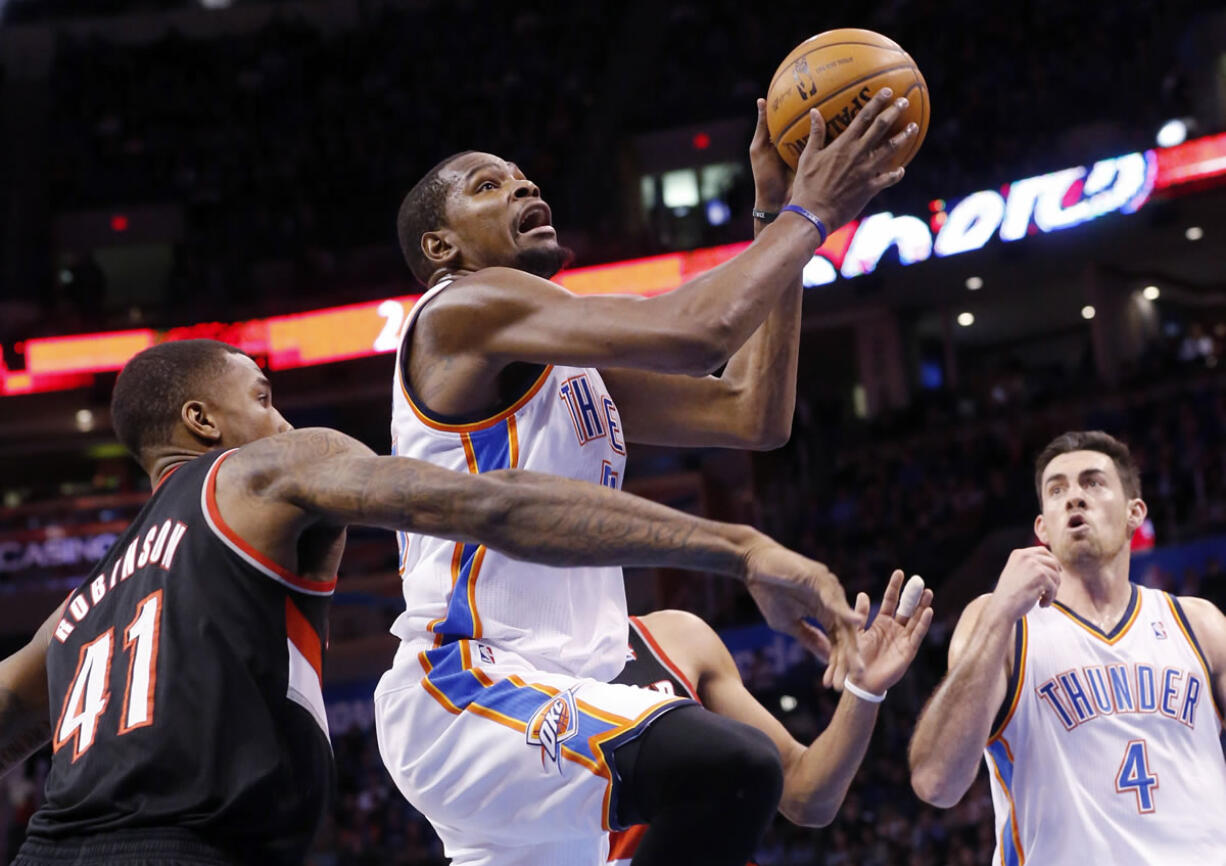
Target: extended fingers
x=761, y=135
x=925, y=603
x=918, y=627
x=813, y=640
x=889, y=601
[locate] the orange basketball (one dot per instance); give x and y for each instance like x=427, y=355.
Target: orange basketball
x=837, y=72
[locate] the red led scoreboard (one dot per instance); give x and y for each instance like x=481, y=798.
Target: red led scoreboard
x=1035, y=205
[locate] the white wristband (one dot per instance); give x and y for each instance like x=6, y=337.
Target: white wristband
x=863, y=694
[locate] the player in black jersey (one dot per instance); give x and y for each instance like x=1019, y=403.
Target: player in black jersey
x=180, y=684
x=676, y=652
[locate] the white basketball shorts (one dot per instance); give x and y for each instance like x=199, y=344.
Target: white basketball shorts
x=512, y=765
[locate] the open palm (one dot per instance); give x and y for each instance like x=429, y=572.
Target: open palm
x=889, y=644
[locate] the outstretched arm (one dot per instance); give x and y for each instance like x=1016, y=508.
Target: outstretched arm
x=25, y=725
x=750, y=405
x=817, y=777
x=954, y=727
x=496, y=316
x=277, y=487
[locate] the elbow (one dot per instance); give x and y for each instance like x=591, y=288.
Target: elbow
x=768, y=437
x=934, y=788
x=699, y=352
x=815, y=814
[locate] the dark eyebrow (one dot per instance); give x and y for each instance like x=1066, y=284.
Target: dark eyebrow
x=263, y=382
x=478, y=169
x=1059, y=476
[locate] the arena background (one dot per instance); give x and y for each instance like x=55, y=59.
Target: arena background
x=232, y=168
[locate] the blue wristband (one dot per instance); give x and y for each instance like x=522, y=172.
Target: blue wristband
x=822, y=231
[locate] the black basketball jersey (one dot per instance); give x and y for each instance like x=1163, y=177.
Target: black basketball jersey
x=186, y=687
x=648, y=666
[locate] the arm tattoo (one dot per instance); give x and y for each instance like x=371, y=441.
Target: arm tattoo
x=543, y=518
x=23, y=730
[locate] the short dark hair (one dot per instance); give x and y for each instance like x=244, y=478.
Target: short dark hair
x=154, y=385
x=1090, y=440
x=424, y=209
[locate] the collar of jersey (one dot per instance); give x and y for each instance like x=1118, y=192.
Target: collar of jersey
x=1121, y=628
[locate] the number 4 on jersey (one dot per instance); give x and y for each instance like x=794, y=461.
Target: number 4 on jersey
x=89, y=692
x=1135, y=776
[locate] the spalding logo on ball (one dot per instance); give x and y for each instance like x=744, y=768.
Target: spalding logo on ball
x=837, y=72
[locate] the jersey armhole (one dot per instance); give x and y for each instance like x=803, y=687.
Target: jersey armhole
x=661, y=656
x=528, y=379
x=1013, y=690
x=244, y=551
x=1185, y=625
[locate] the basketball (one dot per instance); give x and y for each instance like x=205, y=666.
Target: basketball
x=837, y=72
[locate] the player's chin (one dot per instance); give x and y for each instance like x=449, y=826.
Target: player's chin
x=542, y=256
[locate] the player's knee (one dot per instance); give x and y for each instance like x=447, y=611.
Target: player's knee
x=753, y=770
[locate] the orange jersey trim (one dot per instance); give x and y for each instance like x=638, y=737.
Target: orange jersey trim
x=483, y=424
x=1121, y=629
x=1177, y=612
x=1017, y=842
x=1020, y=662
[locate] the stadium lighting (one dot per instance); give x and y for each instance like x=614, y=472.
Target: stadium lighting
x=1087, y=312
x=1194, y=233
x=787, y=703
x=1172, y=133
x=1151, y=293
x=85, y=420
x=974, y=283
x=966, y=319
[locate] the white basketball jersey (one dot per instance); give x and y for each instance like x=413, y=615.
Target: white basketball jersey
x=567, y=620
x=1109, y=750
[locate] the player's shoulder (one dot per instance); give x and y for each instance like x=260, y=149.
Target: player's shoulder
x=492, y=283
x=688, y=640
x=678, y=624
x=1208, y=626
x=483, y=302
x=263, y=461
x=973, y=611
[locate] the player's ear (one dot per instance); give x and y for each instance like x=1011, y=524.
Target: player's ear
x=1040, y=531
x=439, y=248
x=1137, y=511
x=200, y=422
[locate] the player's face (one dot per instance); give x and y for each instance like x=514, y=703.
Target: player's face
x=241, y=404
x=497, y=217
x=1087, y=516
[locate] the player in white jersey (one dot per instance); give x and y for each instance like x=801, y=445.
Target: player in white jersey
x=497, y=720
x=1097, y=711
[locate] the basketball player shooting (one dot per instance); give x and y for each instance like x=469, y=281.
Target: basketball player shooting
x=677, y=653
x=180, y=685
x=498, y=720
x=1094, y=701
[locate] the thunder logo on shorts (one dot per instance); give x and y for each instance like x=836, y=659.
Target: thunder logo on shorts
x=553, y=724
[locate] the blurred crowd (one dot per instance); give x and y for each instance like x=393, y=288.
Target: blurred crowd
x=285, y=151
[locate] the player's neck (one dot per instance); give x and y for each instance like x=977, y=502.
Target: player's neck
x=1098, y=591
x=167, y=460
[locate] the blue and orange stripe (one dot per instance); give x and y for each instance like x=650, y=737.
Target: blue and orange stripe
x=460, y=687
x=487, y=450
x=1001, y=757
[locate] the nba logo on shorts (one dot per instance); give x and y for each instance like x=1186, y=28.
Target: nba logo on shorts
x=486, y=654
x=552, y=725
